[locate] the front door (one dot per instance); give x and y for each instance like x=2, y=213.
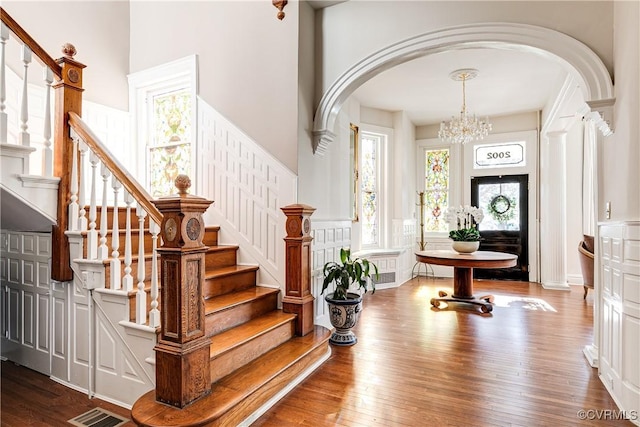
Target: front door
x=505, y=202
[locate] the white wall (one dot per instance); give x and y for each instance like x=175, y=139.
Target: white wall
x=248, y=61
x=98, y=29
x=324, y=181
x=589, y=22
x=500, y=124
x=621, y=152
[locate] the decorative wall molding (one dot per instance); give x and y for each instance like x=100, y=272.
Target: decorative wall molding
x=248, y=186
x=578, y=59
x=328, y=238
x=25, y=284
x=619, y=284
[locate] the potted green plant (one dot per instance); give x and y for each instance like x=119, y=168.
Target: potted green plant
x=465, y=235
x=345, y=306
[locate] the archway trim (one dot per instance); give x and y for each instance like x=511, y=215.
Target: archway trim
x=577, y=58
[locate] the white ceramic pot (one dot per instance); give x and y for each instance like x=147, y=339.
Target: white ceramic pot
x=465, y=247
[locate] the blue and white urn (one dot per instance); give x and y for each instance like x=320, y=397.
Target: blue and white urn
x=344, y=315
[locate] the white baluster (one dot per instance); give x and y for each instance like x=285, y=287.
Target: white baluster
x=24, y=110
x=83, y=224
x=103, y=250
x=154, y=313
x=115, y=238
x=73, y=185
x=141, y=295
x=92, y=234
x=4, y=36
x=127, y=280
x=47, y=155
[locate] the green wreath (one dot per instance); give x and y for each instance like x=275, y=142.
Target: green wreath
x=501, y=208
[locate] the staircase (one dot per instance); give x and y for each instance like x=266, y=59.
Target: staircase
x=107, y=270
x=255, y=357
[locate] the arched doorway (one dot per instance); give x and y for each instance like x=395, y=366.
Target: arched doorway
x=579, y=60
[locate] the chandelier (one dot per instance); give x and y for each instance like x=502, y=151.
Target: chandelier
x=465, y=128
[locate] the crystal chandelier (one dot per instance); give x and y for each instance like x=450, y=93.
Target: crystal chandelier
x=465, y=128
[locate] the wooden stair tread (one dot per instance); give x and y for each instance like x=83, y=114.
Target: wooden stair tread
x=227, y=301
x=241, y=334
x=219, y=248
x=232, y=390
x=227, y=271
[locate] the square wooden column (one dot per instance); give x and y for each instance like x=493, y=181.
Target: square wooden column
x=182, y=352
x=298, y=298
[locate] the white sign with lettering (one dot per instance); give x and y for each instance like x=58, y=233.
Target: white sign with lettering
x=499, y=155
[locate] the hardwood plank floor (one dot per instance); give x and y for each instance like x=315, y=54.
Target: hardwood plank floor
x=32, y=399
x=413, y=365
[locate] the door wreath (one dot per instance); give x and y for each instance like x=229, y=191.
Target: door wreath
x=501, y=208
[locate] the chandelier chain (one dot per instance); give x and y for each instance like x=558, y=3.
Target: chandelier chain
x=463, y=129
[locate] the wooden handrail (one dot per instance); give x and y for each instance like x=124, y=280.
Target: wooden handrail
x=31, y=43
x=130, y=184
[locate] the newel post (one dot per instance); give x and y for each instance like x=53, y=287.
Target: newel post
x=182, y=352
x=298, y=298
x=68, y=97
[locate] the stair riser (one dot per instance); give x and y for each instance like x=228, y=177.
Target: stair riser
x=226, y=319
x=135, y=240
x=134, y=271
x=232, y=282
x=132, y=304
x=211, y=236
x=253, y=402
x=221, y=258
x=122, y=217
x=228, y=362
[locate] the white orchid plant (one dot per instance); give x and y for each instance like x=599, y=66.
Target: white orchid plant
x=465, y=219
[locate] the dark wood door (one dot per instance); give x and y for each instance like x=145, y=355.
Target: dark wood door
x=505, y=202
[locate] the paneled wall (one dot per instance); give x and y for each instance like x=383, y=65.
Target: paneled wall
x=26, y=298
x=619, y=249
x=328, y=238
x=248, y=187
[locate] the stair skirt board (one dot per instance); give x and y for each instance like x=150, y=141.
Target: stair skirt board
x=98, y=417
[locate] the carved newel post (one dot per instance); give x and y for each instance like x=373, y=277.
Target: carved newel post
x=182, y=352
x=298, y=298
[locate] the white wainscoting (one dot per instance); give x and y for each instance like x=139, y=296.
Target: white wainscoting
x=248, y=187
x=619, y=253
x=404, y=237
x=25, y=281
x=438, y=243
x=328, y=238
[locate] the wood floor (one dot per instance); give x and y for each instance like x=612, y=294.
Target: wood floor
x=413, y=365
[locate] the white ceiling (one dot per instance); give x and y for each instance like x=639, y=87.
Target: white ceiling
x=508, y=82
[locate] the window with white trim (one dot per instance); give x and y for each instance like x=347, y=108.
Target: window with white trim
x=371, y=187
x=163, y=104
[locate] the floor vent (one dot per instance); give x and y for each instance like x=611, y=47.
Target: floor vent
x=384, y=278
x=98, y=417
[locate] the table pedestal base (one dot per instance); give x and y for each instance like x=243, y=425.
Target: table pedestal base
x=484, y=301
x=463, y=291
